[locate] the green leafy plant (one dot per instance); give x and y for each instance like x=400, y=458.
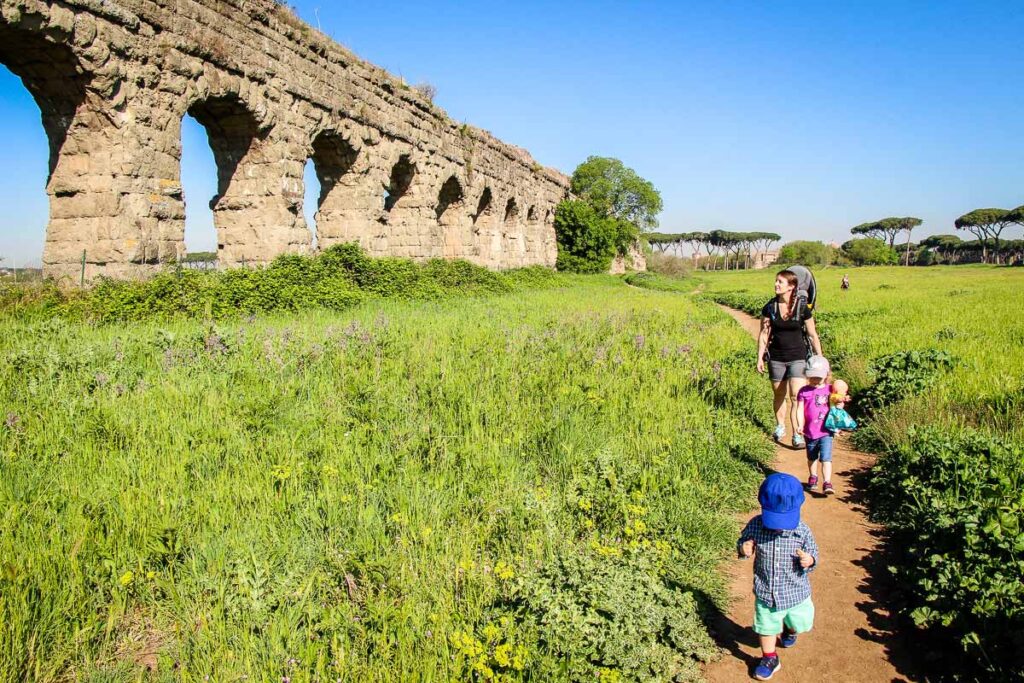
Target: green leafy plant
x=953, y=507
x=900, y=375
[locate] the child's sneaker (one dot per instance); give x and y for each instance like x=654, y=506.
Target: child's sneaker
x=798, y=441
x=812, y=483
x=827, y=488
x=780, y=431
x=767, y=668
x=787, y=639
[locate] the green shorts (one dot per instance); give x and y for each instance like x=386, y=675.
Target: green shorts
x=768, y=621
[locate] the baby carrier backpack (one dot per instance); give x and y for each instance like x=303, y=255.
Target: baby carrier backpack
x=806, y=296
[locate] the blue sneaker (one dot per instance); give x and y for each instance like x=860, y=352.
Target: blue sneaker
x=767, y=668
x=780, y=431
x=787, y=639
x=798, y=441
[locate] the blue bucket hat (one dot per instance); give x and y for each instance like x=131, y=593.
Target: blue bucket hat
x=781, y=496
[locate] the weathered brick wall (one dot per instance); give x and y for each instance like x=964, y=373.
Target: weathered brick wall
x=114, y=78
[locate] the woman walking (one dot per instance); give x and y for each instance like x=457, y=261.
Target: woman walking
x=788, y=336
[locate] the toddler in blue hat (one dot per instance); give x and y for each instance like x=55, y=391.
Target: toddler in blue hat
x=784, y=554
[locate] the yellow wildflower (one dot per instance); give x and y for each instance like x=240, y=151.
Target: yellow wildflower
x=503, y=570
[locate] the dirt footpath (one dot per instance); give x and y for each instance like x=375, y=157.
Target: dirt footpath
x=851, y=640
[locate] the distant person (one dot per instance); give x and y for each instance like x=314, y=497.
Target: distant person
x=784, y=554
x=846, y=283
x=788, y=337
x=813, y=404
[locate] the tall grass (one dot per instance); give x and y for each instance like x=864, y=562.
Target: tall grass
x=404, y=491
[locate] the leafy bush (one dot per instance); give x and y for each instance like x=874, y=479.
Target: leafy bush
x=600, y=617
x=806, y=253
x=748, y=302
x=667, y=264
x=870, y=251
x=336, y=279
x=586, y=241
x=953, y=504
x=902, y=374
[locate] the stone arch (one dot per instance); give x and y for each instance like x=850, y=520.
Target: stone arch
x=486, y=235
x=449, y=199
x=240, y=209
x=514, y=240
x=455, y=224
x=86, y=216
x=340, y=212
x=484, y=207
x=399, y=182
x=53, y=75
x=532, y=231
x=511, y=212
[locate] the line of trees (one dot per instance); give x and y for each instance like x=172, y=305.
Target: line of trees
x=725, y=248
x=986, y=225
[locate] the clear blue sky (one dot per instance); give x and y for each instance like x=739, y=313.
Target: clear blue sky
x=802, y=118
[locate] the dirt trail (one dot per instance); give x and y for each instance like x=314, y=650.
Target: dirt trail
x=852, y=638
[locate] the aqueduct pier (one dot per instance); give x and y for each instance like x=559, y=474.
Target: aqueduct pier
x=114, y=78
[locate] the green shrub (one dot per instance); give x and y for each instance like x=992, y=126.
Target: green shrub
x=870, y=251
x=669, y=265
x=953, y=506
x=338, y=278
x=903, y=374
x=586, y=241
x=599, y=616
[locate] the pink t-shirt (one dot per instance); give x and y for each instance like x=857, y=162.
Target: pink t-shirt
x=815, y=409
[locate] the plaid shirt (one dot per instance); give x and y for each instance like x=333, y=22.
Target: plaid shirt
x=779, y=580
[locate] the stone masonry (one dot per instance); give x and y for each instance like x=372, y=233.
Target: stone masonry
x=114, y=78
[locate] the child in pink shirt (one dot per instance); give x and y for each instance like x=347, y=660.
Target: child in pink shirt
x=812, y=406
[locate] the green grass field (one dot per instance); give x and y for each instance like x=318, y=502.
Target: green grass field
x=536, y=485
x=526, y=486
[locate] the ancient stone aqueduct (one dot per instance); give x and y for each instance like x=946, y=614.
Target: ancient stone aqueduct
x=114, y=78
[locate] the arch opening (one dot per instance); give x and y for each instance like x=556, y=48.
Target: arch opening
x=485, y=206
x=511, y=211
x=198, y=179
x=402, y=174
x=52, y=74
x=449, y=198
x=328, y=184
x=232, y=132
x=23, y=193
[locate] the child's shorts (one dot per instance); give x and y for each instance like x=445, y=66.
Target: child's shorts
x=819, y=449
x=769, y=622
